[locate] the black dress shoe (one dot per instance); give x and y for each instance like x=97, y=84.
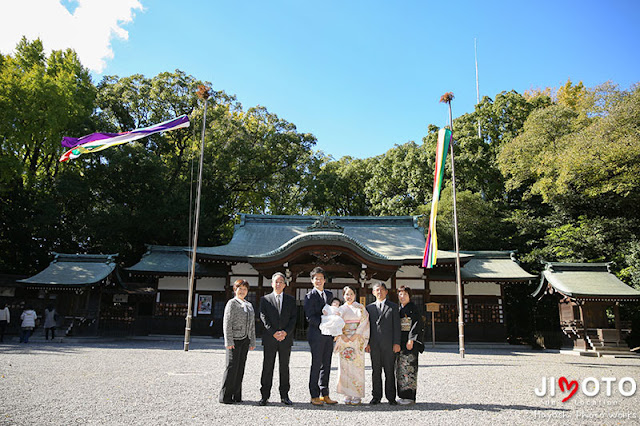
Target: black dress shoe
x=393, y=402
x=263, y=401
x=374, y=401
x=227, y=401
x=286, y=401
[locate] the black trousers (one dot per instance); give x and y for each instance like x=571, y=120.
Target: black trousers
x=234, y=372
x=3, y=327
x=53, y=333
x=321, y=350
x=271, y=349
x=383, y=359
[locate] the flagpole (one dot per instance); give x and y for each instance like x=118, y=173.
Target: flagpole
x=203, y=93
x=475, y=47
x=447, y=98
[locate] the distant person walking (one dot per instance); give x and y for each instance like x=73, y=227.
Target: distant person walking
x=5, y=319
x=50, y=322
x=28, y=319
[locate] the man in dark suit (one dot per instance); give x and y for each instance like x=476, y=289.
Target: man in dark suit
x=384, y=343
x=321, y=345
x=278, y=314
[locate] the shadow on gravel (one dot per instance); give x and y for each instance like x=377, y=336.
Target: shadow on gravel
x=596, y=365
x=424, y=406
x=465, y=365
x=169, y=345
x=74, y=347
x=35, y=348
x=500, y=351
x=368, y=368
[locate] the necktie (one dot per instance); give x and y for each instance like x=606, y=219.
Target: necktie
x=278, y=303
x=324, y=297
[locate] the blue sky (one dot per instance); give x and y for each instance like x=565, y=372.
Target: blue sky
x=365, y=75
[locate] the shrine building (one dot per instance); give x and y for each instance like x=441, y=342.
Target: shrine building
x=589, y=298
x=353, y=250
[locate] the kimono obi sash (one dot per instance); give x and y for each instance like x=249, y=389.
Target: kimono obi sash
x=405, y=324
x=350, y=328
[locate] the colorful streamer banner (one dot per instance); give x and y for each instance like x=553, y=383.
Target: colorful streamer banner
x=99, y=141
x=431, y=248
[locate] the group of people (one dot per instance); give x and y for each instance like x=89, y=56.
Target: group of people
x=28, y=322
x=392, y=334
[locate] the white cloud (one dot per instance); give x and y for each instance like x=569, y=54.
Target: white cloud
x=88, y=30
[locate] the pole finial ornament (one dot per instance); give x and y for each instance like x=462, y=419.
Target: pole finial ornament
x=203, y=92
x=447, y=97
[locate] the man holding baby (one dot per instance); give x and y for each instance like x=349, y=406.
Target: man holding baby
x=321, y=345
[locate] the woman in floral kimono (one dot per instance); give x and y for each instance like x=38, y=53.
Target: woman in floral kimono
x=350, y=348
x=411, y=336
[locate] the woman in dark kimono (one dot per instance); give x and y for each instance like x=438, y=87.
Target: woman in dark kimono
x=411, y=344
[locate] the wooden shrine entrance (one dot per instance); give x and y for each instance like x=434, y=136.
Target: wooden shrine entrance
x=344, y=265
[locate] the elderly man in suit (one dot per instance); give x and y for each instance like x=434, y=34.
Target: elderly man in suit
x=321, y=345
x=384, y=343
x=278, y=314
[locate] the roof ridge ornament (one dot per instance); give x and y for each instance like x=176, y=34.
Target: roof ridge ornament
x=321, y=236
x=325, y=223
x=610, y=267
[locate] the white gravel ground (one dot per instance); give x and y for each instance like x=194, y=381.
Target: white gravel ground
x=157, y=383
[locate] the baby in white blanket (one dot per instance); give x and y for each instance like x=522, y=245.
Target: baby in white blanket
x=331, y=323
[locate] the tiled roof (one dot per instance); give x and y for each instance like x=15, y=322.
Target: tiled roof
x=390, y=238
x=494, y=266
x=172, y=260
x=585, y=280
x=75, y=270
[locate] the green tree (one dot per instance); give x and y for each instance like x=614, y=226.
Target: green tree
x=481, y=224
x=500, y=122
x=254, y=161
x=577, y=168
x=631, y=272
x=401, y=179
x=572, y=179
x=595, y=239
x=527, y=160
x=338, y=186
x=266, y=163
x=42, y=99
x=599, y=166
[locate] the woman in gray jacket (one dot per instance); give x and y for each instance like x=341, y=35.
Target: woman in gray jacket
x=239, y=329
